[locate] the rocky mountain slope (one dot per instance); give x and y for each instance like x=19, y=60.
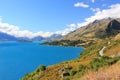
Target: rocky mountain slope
x=97, y=29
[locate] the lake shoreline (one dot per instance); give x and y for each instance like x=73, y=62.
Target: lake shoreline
x=26, y=57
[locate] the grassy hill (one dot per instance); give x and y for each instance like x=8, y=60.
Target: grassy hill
x=90, y=60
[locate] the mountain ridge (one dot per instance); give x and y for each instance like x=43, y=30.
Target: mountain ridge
x=89, y=30
x=8, y=37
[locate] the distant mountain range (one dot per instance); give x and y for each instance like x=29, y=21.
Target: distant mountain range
x=98, y=29
x=8, y=37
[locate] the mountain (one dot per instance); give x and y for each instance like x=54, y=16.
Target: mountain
x=113, y=28
x=23, y=38
x=7, y=37
x=100, y=59
x=55, y=36
x=91, y=33
x=98, y=29
x=38, y=38
x=52, y=37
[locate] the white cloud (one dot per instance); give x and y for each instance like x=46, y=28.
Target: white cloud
x=92, y=1
x=43, y=34
x=81, y=4
x=15, y=31
x=95, y=9
x=113, y=11
x=71, y=27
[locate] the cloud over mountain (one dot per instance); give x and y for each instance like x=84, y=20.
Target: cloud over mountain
x=17, y=32
x=113, y=11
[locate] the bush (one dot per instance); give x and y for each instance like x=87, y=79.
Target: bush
x=96, y=63
x=72, y=73
x=68, y=67
x=81, y=68
x=114, y=60
x=41, y=68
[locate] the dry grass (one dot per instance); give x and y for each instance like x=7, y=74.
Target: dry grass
x=107, y=73
x=113, y=52
x=90, y=34
x=52, y=72
x=112, y=49
x=117, y=37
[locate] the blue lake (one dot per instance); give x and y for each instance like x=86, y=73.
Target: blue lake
x=17, y=59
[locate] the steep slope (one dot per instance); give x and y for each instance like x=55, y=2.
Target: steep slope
x=117, y=37
x=97, y=29
x=113, y=28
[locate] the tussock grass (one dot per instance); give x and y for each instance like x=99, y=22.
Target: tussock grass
x=107, y=73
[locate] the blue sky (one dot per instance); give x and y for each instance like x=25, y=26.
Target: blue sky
x=50, y=15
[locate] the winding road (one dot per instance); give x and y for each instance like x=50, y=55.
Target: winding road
x=101, y=51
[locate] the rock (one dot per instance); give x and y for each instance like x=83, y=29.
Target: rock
x=64, y=74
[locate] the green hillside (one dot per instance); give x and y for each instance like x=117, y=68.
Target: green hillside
x=101, y=40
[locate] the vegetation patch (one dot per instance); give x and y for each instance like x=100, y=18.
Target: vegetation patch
x=40, y=68
x=96, y=63
x=65, y=42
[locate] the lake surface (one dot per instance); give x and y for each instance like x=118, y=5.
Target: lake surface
x=17, y=59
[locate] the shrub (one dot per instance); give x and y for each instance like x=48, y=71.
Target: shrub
x=68, y=67
x=81, y=68
x=41, y=68
x=114, y=60
x=96, y=63
x=72, y=73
